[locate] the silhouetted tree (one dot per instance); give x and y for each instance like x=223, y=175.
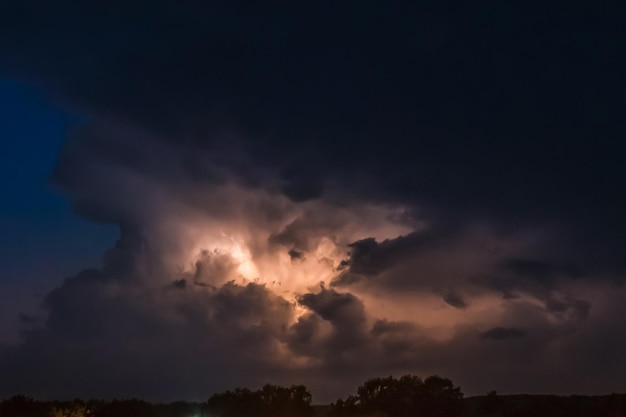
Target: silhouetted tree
x=178, y=409
x=269, y=401
x=491, y=405
x=75, y=410
x=348, y=407
x=125, y=408
x=407, y=396
x=21, y=406
x=239, y=402
x=439, y=398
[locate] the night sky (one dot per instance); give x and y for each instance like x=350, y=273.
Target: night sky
x=202, y=195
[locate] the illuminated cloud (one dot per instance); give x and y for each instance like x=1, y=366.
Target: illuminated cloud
x=238, y=280
x=320, y=206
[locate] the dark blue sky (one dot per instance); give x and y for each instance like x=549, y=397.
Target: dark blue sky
x=42, y=240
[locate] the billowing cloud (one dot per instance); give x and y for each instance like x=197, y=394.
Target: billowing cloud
x=225, y=282
x=319, y=206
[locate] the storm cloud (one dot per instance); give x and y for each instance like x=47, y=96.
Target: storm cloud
x=322, y=194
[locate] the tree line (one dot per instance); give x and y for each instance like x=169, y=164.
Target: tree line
x=407, y=396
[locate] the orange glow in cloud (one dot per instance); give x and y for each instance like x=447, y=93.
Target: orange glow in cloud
x=294, y=251
x=290, y=253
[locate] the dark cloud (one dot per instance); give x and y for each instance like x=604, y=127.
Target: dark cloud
x=576, y=310
x=295, y=255
x=400, y=342
x=141, y=334
x=468, y=112
x=301, y=185
x=454, y=299
x=304, y=336
x=27, y=319
x=343, y=310
x=180, y=284
x=502, y=333
x=368, y=258
x=541, y=270
x=399, y=94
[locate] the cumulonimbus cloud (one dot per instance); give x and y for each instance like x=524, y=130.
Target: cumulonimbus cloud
x=317, y=206
x=225, y=277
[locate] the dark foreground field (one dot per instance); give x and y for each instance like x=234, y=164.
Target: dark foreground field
x=408, y=396
x=504, y=406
